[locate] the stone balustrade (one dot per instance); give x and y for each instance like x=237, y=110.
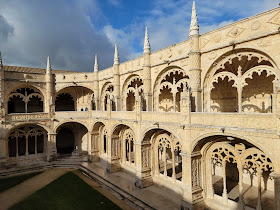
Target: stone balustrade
x=233, y=120
x=27, y=116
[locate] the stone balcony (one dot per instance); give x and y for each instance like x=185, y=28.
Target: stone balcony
x=247, y=121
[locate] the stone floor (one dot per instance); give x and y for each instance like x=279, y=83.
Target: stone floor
x=250, y=193
x=156, y=197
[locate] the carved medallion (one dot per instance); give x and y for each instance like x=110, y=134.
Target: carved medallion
x=217, y=37
x=264, y=43
x=235, y=32
x=212, y=55
x=256, y=25
x=180, y=51
x=169, y=53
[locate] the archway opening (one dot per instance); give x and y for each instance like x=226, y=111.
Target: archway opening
x=236, y=170
x=64, y=102
x=25, y=100
x=71, y=136
x=224, y=97
x=257, y=95
x=27, y=141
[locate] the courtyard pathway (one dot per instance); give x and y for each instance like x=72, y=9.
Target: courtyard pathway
x=14, y=195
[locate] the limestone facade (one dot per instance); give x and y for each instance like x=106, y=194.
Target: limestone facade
x=200, y=117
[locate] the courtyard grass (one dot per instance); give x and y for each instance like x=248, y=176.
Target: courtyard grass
x=66, y=192
x=7, y=183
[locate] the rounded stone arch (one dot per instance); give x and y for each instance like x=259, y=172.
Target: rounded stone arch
x=71, y=94
x=46, y=128
x=107, y=90
x=128, y=93
x=212, y=137
x=167, y=88
x=28, y=102
x=71, y=136
x=227, y=74
x=115, y=128
x=67, y=85
x=97, y=125
x=27, y=141
x=157, y=128
x=14, y=88
x=69, y=121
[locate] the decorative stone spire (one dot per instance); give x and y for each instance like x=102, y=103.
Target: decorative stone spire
x=116, y=57
x=194, y=28
x=96, y=68
x=49, y=69
x=147, y=46
x=1, y=62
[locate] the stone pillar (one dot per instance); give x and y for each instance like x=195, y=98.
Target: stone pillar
x=2, y=89
x=191, y=178
x=52, y=152
x=276, y=177
x=113, y=164
x=117, y=79
x=147, y=73
x=49, y=88
x=3, y=151
x=259, y=174
x=95, y=147
x=225, y=195
x=143, y=169
x=195, y=63
x=96, y=84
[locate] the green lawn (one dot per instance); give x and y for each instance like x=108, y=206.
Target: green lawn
x=7, y=183
x=66, y=192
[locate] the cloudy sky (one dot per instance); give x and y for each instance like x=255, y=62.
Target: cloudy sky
x=72, y=31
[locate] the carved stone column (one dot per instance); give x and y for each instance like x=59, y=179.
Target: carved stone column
x=95, y=147
x=3, y=152
x=143, y=170
x=52, y=152
x=276, y=177
x=113, y=164
x=191, y=179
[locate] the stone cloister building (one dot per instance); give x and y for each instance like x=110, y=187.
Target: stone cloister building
x=200, y=118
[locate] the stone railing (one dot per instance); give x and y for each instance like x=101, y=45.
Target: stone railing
x=71, y=114
x=27, y=116
x=168, y=117
x=250, y=121
x=233, y=120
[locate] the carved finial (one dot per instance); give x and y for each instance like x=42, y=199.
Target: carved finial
x=48, y=66
x=1, y=62
x=96, y=68
x=194, y=28
x=147, y=46
x=116, y=57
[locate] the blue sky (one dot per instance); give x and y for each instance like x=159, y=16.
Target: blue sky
x=72, y=31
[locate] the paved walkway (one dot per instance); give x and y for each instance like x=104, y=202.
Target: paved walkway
x=14, y=195
x=156, y=197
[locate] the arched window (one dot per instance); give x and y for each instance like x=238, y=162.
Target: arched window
x=168, y=89
x=25, y=100
x=26, y=141
x=64, y=102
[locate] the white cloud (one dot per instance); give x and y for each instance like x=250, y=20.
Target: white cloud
x=168, y=21
x=32, y=30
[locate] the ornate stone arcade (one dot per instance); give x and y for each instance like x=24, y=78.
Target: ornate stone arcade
x=199, y=118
